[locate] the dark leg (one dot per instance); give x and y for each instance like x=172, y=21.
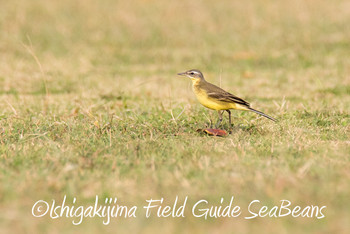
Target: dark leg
x=220, y=119
x=229, y=116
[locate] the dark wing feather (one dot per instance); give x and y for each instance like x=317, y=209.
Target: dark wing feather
x=220, y=94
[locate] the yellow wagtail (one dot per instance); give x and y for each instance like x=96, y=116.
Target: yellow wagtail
x=215, y=98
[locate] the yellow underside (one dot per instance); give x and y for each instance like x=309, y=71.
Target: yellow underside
x=216, y=104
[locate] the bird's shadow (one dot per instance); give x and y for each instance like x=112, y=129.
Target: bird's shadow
x=233, y=127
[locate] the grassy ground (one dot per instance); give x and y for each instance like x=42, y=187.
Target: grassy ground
x=90, y=104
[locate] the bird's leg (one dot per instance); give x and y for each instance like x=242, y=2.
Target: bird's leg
x=220, y=119
x=229, y=116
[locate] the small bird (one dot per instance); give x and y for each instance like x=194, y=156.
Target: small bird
x=215, y=98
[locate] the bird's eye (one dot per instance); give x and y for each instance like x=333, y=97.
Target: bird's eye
x=191, y=73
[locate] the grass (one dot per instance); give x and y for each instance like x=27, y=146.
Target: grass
x=90, y=104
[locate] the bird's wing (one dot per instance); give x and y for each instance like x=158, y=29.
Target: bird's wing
x=221, y=95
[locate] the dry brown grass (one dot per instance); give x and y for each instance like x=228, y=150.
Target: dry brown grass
x=90, y=105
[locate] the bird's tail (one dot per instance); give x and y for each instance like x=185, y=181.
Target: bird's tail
x=263, y=114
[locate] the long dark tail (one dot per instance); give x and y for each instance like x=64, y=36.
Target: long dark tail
x=260, y=113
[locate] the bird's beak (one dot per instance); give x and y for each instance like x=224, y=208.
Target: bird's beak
x=182, y=73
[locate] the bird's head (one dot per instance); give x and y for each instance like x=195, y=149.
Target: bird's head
x=194, y=74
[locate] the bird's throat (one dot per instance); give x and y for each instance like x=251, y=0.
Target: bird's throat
x=195, y=82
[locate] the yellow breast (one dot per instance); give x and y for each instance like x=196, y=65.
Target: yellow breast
x=210, y=102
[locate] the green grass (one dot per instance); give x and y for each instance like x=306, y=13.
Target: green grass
x=90, y=104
